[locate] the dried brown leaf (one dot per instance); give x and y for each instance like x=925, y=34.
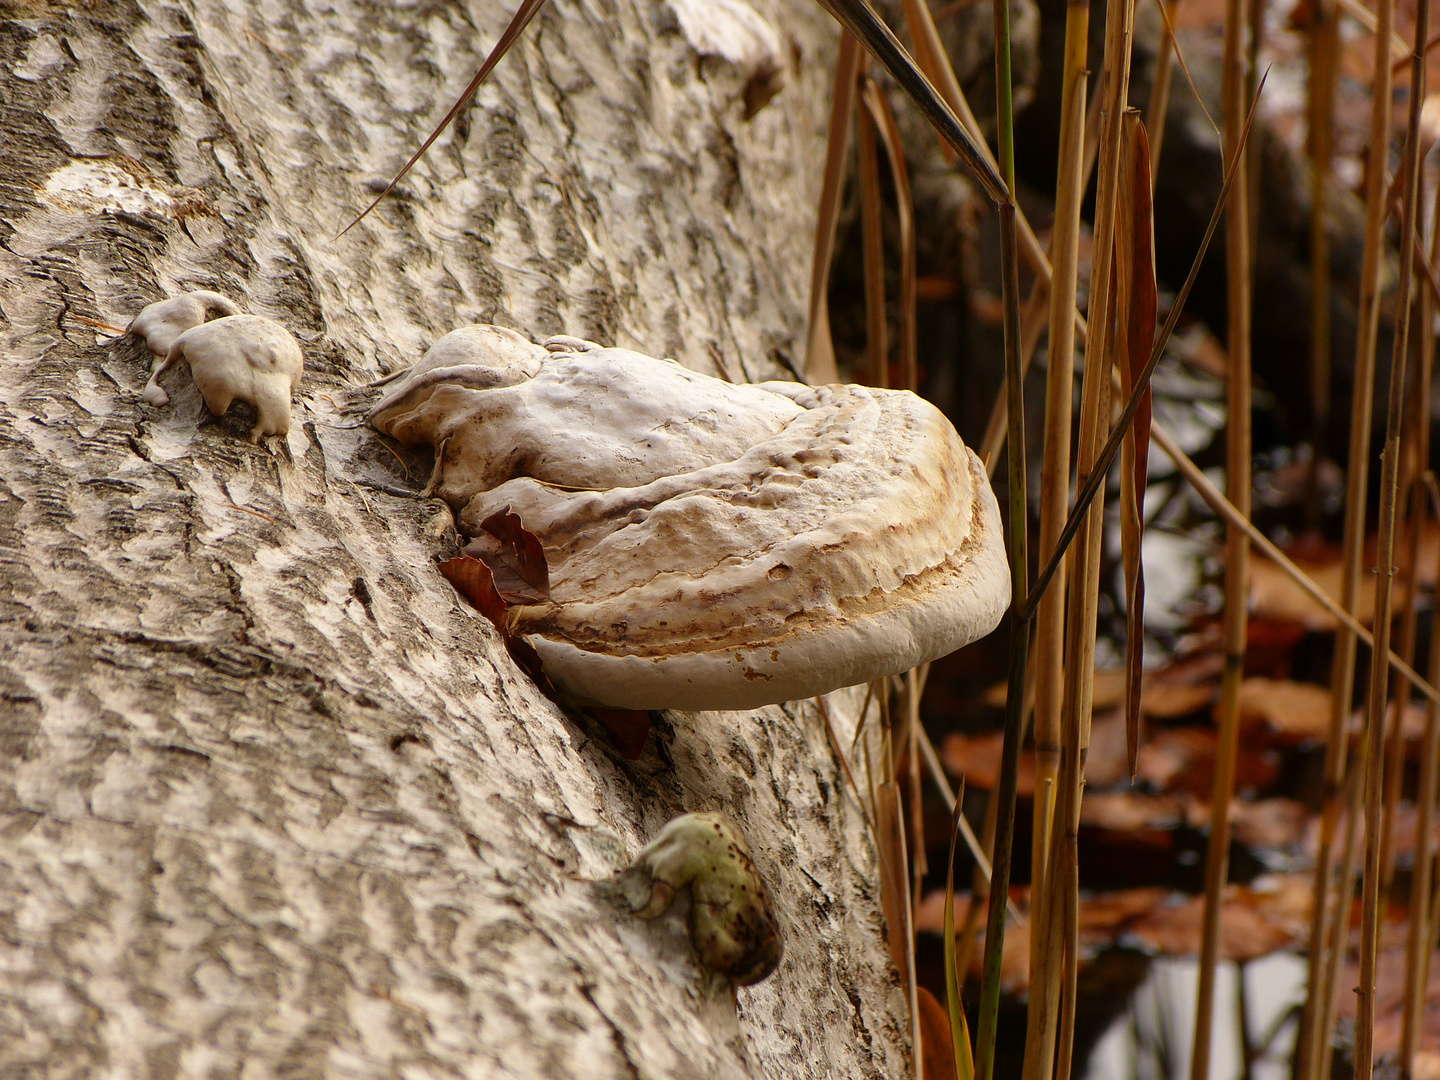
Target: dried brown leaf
x=936, y=1048
x=527, y=550
x=474, y=580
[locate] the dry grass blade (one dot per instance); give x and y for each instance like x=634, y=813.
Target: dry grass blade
x=1164, y=74
x=857, y=17
x=1384, y=581
x=1167, y=15
x=1324, y=46
x=819, y=349
x=1216, y=500
x=844, y=762
x=512, y=32
x=1136, y=317
x=935, y=64
x=873, y=244
x=97, y=324
x=1238, y=275
x=879, y=108
x=1325, y=963
x=1418, y=946
x=977, y=850
x=1054, y=491
x=919, y=864
x=1370, y=20
x=895, y=893
x=959, y=1029
x=1035, y=308
x=1096, y=479
x=1399, y=65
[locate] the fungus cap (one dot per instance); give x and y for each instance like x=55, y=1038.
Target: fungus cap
x=246, y=357
x=717, y=546
x=162, y=322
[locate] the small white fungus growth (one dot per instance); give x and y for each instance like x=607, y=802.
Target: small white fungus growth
x=248, y=357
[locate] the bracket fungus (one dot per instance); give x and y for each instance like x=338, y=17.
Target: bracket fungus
x=248, y=357
x=710, y=545
x=732, y=924
x=162, y=322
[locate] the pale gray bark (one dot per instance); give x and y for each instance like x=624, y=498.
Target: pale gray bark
x=272, y=800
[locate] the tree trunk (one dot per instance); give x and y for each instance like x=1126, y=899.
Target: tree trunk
x=273, y=801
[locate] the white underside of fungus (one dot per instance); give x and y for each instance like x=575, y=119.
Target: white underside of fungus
x=710, y=546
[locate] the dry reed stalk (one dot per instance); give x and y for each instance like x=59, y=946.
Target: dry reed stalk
x=819, y=348
x=1418, y=948
x=878, y=105
x=1090, y=487
x=1085, y=579
x=1327, y=962
x=1037, y=309
x=1340, y=918
x=1164, y=74
x=1083, y=524
x=1370, y=20
x=1324, y=45
x=873, y=243
x=1217, y=501
x=1384, y=581
x=1412, y=525
x=1135, y=325
x=1017, y=528
x=1054, y=500
x=1238, y=273
x=1063, y=875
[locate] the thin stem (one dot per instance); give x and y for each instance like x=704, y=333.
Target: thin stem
x=1237, y=547
x=1160, y=92
x=819, y=349
x=1384, y=581
x=1054, y=491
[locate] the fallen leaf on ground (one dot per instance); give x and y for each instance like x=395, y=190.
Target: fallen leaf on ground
x=1183, y=759
x=1287, y=713
x=1175, y=929
x=1268, y=824
x=1108, y=694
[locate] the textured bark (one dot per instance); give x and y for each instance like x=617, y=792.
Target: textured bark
x=272, y=800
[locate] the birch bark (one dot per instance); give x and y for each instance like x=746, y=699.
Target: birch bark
x=272, y=800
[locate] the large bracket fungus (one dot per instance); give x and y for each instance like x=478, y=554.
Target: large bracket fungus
x=248, y=357
x=710, y=545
